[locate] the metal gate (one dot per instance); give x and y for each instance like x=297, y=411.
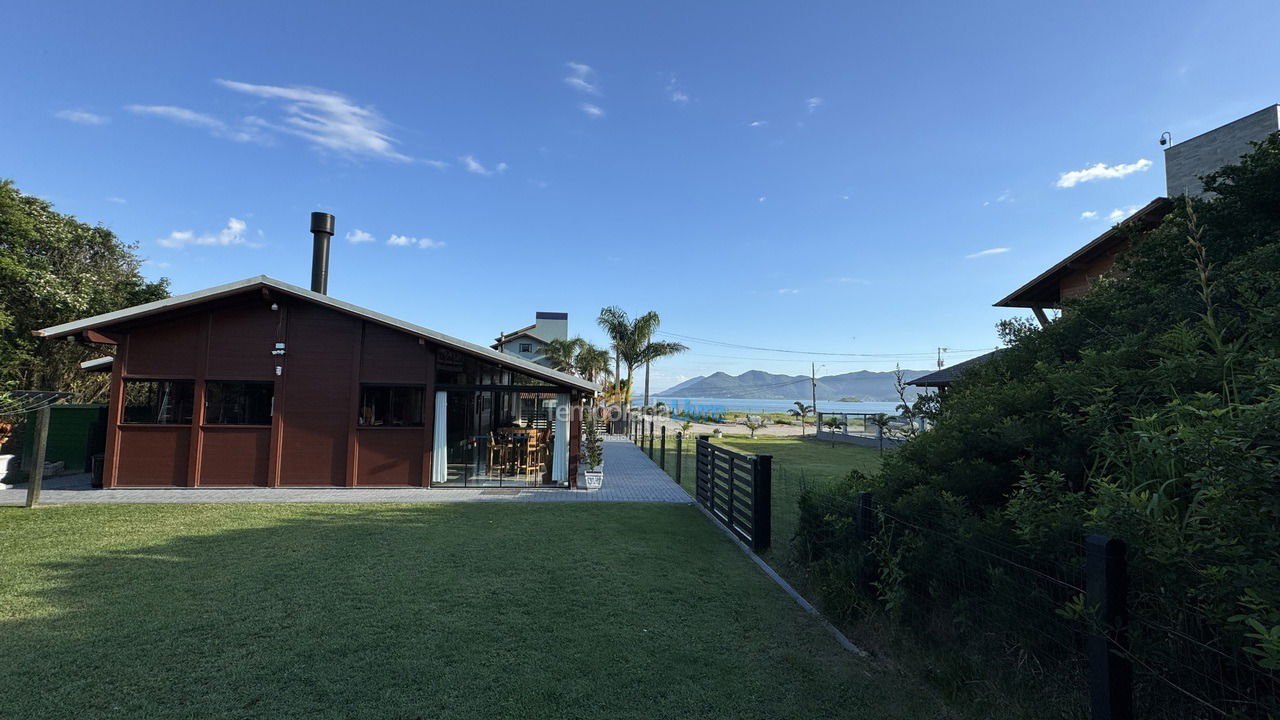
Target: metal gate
x=736, y=489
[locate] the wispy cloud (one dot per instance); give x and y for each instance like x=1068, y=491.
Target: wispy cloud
x=232, y=234
x=582, y=77
x=191, y=118
x=675, y=93
x=1121, y=213
x=984, y=253
x=1088, y=215
x=849, y=280
x=758, y=123
x=813, y=103
x=359, y=236
x=788, y=291
x=1102, y=171
x=117, y=200
x=473, y=166
x=761, y=199
x=593, y=111
x=82, y=117
x=406, y=241
x=1004, y=197
x=328, y=120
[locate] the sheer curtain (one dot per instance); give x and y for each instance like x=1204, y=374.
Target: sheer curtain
x=560, y=455
x=439, y=441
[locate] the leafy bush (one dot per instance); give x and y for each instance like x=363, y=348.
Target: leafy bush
x=1149, y=411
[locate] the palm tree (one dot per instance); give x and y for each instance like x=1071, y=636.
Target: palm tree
x=615, y=323
x=801, y=411
x=591, y=362
x=560, y=354
x=656, y=351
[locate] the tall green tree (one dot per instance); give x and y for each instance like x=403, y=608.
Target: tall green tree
x=54, y=269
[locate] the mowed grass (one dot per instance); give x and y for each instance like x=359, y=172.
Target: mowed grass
x=394, y=611
x=798, y=462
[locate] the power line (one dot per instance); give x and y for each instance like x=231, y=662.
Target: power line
x=903, y=355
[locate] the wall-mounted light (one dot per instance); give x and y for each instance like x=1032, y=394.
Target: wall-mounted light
x=1166, y=139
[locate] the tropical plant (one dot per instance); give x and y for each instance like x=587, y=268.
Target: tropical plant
x=54, y=269
x=753, y=423
x=560, y=354
x=591, y=362
x=633, y=343
x=832, y=423
x=801, y=412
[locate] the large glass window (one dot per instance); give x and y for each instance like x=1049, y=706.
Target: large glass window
x=161, y=402
x=495, y=438
x=391, y=406
x=238, y=403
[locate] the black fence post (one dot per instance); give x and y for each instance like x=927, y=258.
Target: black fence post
x=762, y=503
x=650, y=439
x=1106, y=589
x=662, y=449
x=679, y=457
x=866, y=516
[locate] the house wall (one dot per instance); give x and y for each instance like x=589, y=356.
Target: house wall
x=1080, y=281
x=313, y=439
x=1186, y=161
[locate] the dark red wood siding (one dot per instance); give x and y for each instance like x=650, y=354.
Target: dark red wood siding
x=321, y=350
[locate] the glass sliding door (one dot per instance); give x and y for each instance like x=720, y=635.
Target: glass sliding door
x=496, y=438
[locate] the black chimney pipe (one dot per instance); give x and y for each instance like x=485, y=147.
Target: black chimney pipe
x=322, y=229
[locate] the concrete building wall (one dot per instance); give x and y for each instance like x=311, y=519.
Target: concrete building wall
x=1187, y=161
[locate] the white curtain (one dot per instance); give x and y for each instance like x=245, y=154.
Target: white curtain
x=439, y=449
x=560, y=454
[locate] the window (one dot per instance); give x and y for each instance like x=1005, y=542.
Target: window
x=161, y=402
x=390, y=406
x=238, y=403
x=526, y=347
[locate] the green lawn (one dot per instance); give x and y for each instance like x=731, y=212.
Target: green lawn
x=443, y=611
x=797, y=462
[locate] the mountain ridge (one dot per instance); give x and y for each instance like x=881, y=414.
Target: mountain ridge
x=866, y=385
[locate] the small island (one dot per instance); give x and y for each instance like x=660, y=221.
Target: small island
x=851, y=398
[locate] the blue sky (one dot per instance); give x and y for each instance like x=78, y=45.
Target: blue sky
x=821, y=177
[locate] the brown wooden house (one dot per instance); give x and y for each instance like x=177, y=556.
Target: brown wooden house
x=263, y=383
x=1077, y=273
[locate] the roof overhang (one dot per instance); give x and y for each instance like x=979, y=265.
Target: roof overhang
x=106, y=321
x=102, y=364
x=1043, y=291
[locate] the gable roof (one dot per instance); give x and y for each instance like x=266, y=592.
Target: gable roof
x=1044, y=291
x=519, y=334
x=262, y=281
x=948, y=375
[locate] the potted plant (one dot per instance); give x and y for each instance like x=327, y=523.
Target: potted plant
x=592, y=452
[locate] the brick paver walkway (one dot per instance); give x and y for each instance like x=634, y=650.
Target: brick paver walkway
x=629, y=477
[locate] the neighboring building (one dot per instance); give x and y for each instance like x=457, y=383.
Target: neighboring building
x=528, y=342
x=944, y=378
x=263, y=383
x=1185, y=164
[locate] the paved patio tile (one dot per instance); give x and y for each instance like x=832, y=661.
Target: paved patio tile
x=630, y=476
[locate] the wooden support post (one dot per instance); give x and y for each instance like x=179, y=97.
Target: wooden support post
x=762, y=503
x=1106, y=589
x=662, y=450
x=35, y=478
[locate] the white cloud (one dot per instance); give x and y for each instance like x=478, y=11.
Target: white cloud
x=82, y=117
x=406, y=241
x=359, y=236
x=1102, y=171
x=326, y=119
x=581, y=77
x=788, y=291
x=679, y=96
x=847, y=280
x=758, y=123
x=198, y=120
x=117, y=200
x=592, y=110
x=984, y=253
x=232, y=234
x=473, y=166
x=813, y=103
x=1004, y=197
x=1088, y=215
x=761, y=199
x=1121, y=213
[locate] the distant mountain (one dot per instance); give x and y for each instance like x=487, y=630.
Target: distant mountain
x=866, y=385
x=677, y=389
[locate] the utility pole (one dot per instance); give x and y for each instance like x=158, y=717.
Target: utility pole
x=813, y=386
x=940, y=351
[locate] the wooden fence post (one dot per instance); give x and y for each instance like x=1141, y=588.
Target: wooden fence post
x=679, y=457
x=1106, y=590
x=762, y=503
x=35, y=478
x=662, y=450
